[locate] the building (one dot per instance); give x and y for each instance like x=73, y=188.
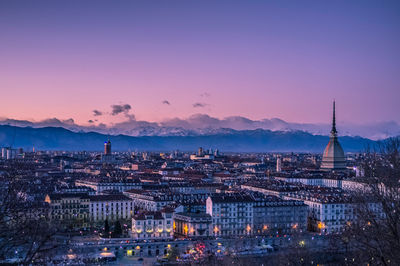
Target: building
x=107, y=147
x=278, y=164
x=358, y=185
x=333, y=156
x=255, y=214
x=330, y=209
x=271, y=187
x=193, y=225
x=201, y=155
x=312, y=180
x=232, y=215
x=75, y=189
x=71, y=210
x=153, y=225
x=149, y=200
x=9, y=153
x=101, y=184
x=110, y=207
x=273, y=215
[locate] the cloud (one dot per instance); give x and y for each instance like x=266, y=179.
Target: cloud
x=166, y=102
x=199, y=105
x=205, y=95
x=130, y=117
x=120, y=108
x=97, y=113
x=90, y=121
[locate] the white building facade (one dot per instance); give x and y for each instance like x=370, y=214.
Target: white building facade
x=153, y=225
x=110, y=207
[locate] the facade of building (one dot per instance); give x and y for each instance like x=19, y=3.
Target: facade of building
x=99, y=185
x=232, y=215
x=255, y=214
x=110, y=207
x=193, y=225
x=149, y=201
x=312, y=181
x=273, y=215
x=71, y=210
x=330, y=210
x=153, y=225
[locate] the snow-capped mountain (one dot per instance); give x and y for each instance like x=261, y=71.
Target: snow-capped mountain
x=202, y=124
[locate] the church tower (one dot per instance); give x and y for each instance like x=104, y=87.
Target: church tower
x=333, y=157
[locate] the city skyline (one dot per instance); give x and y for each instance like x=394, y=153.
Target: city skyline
x=175, y=60
x=181, y=132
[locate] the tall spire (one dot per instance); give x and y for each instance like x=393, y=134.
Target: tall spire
x=333, y=131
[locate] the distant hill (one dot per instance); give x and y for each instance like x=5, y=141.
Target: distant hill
x=259, y=140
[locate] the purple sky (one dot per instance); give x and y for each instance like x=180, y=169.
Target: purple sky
x=258, y=59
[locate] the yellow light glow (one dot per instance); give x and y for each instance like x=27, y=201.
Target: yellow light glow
x=160, y=230
x=129, y=252
x=295, y=226
x=185, y=229
x=216, y=229
x=138, y=231
x=321, y=225
x=169, y=246
x=248, y=228
x=137, y=247
x=302, y=243
x=106, y=254
x=174, y=225
x=265, y=227
x=104, y=249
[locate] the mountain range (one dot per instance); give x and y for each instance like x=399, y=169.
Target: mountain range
x=226, y=140
x=203, y=124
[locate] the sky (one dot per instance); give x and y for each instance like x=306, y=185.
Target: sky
x=164, y=59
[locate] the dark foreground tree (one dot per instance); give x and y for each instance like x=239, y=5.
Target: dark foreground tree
x=25, y=232
x=117, y=229
x=106, y=228
x=375, y=234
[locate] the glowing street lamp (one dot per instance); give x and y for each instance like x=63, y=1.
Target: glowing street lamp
x=248, y=228
x=216, y=229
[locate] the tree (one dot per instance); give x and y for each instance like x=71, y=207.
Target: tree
x=25, y=229
x=172, y=254
x=375, y=232
x=106, y=228
x=117, y=229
